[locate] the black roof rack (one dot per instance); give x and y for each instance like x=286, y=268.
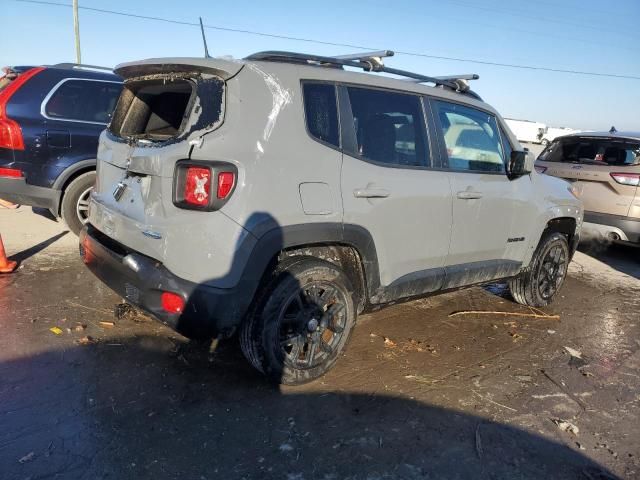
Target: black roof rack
x=80, y=66
x=369, y=62
x=464, y=76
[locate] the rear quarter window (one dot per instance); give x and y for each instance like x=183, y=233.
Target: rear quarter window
x=321, y=112
x=83, y=100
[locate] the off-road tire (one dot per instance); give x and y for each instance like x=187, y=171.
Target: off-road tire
x=529, y=287
x=261, y=332
x=70, y=198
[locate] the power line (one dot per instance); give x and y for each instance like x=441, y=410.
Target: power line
x=530, y=16
x=335, y=44
x=546, y=35
x=555, y=4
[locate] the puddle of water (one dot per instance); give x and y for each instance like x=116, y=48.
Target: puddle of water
x=498, y=289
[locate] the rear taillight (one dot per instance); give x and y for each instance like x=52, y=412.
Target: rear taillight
x=10, y=172
x=10, y=132
x=200, y=185
x=197, y=186
x=172, y=302
x=632, y=179
x=225, y=184
x=540, y=169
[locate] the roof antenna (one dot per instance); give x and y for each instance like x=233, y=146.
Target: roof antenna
x=204, y=40
x=612, y=130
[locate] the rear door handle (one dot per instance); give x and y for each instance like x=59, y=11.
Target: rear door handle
x=371, y=193
x=469, y=195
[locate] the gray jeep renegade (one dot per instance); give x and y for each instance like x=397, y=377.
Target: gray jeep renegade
x=281, y=195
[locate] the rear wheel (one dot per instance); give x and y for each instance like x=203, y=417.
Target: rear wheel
x=538, y=285
x=75, y=201
x=301, y=321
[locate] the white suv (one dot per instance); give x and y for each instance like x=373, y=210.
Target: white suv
x=282, y=194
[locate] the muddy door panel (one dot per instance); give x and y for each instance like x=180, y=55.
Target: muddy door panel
x=408, y=214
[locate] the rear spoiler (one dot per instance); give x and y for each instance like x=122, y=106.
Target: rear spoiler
x=222, y=68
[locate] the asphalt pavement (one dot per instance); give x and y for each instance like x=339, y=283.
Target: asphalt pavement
x=419, y=393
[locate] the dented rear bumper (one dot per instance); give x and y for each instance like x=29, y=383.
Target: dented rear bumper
x=141, y=280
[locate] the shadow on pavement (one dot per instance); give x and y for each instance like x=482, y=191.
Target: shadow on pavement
x=45, y=213
x=622, y=257
x=31, y=251
x=148, y=407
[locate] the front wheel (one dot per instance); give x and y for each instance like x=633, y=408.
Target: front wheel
x=301, y=321
x=75, y=201
x=541, y=281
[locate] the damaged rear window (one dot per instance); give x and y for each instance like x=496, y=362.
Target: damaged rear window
x=161, y=108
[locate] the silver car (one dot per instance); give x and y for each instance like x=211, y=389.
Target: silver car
x=283, y=194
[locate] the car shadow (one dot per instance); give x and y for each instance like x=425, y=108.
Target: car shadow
x=134, y=406
x=621, y=257
x=45, y=213
x=31, y=251
x=146, y=407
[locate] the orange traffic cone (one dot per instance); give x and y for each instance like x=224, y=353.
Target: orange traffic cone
x=6, y=265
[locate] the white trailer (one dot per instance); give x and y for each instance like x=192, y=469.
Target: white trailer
x=552, y=132
x=526, y=130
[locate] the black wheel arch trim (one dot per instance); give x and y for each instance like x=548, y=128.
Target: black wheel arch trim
x=68, y=173
x=569, y=227
x=274, y=240
x=72, y=170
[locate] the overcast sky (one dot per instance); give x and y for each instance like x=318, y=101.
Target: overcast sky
x=584, y=35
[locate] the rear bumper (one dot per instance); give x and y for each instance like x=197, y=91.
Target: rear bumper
x=140, y=280
x=17, y=190
x=627, y=228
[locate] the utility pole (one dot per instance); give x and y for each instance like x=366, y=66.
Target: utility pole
x=76, y=28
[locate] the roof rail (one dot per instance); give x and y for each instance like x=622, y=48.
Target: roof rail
x=81, y=66
x=461, y=82
x=464, y=76
x=369, y=62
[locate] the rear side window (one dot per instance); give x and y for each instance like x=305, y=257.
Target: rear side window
x=83, y=100
x=389, y=127
x=612, y=152
x=471, y=138
x=321, y=112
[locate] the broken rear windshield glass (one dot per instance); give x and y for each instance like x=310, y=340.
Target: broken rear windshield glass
x=593, y=151
x=160, y=108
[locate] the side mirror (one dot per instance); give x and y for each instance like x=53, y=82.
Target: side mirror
x=520, y=164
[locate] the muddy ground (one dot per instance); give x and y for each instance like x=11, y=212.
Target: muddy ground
x=418, y=394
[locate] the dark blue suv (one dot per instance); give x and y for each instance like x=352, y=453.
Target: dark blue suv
x=50, y=121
